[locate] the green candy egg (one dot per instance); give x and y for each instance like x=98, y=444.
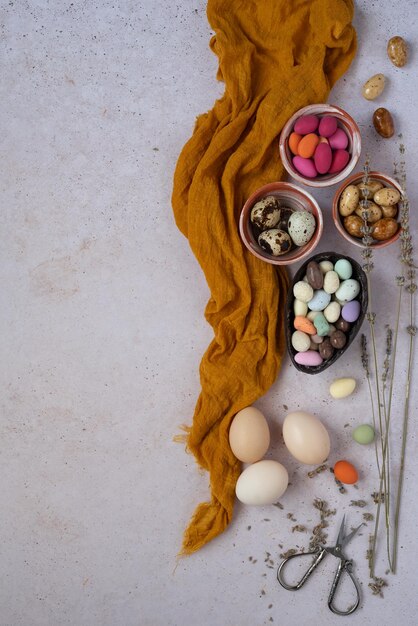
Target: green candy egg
x=363, y=434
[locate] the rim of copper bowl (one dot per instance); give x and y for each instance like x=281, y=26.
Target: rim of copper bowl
x=244, y=221
x=336, y=214
x=339, y=176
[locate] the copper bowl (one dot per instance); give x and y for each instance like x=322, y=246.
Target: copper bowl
x=354, y=179
x=345, y=121
x=291, y=196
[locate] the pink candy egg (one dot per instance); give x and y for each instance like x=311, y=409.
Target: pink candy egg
x=339, y=140
x=305, y=167
x=323, y=158
x=327, y=126
x=306, y=124
x=340, y=158
x=310, y=357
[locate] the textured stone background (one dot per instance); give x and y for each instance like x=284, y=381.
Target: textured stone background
x=102, y=332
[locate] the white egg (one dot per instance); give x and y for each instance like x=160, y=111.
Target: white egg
x=301, y=227
x=306, y=438
x=262, y=483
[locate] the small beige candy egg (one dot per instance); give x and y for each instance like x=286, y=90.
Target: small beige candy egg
x=374, y=212
x=349, y=200
x=332, y=312
x=389, y=211
x=373, y=87
x=387, y=196
x=342, y=387
x=326, y=266
x=300, y=308
x=249, y=435
x=300, y=341
x=302, y=291
x=331, y=282
x=312, y=314
x=372, y=186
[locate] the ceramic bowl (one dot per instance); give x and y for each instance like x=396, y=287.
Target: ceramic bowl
x=345, y=121
x=359, y=275
x=354, y=179
x=290, y=196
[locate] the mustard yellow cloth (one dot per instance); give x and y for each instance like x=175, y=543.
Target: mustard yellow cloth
x=275, y=56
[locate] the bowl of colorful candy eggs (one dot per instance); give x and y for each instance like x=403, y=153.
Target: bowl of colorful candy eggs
x=281, y=223
x=325, y=307
x=320, y=145
x=370, y=203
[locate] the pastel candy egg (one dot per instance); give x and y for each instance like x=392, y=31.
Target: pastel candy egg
x=321, y=325
x=364, y=434
x=306, y=124
x=305, y=325
x=327, y=126
x=307, y=145
x=332, y=312
x=310, y=358
x=303, y=291
x=320, y=300
x=301, y=227
x=300, y=308
x=312, y=314
x=342, y=387
x=339, y=140
x=294, y=140
x=323, y=158
x=331, y=282
x=317, y=339
x=326, y=266
x=347, y=290
x=340, y=158
x=343, y=269
x=351, y=311
x=300, y=341
x=306, y=167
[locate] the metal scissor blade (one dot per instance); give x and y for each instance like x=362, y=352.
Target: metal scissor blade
x=348, y=538
x=340, y=539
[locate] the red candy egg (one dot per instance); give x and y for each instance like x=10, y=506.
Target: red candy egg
x=323, y=158
x=306, y=124
x=339, y=140
x=340, y=158
x=327, y=126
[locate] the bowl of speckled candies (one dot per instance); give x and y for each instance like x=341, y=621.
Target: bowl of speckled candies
x=281, y=223
x=325, y=308
x=320, y=145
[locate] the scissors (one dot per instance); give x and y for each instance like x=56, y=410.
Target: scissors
x=344, y=565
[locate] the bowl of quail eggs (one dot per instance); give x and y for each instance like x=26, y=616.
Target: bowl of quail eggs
x=281, y=223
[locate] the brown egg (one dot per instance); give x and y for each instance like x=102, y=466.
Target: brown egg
x=352, y=225
x=383, y=122
x=384, y=228
x=397, y=51
x=249, y=435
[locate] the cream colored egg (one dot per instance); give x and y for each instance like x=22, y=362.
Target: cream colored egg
x=262, y=483
x=306, y=438
x=249, y=435
x=342, y=387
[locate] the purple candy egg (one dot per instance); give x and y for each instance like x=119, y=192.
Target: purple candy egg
x=306, y=124
x=310, y=357
x=339, y=140
x=305, y=167
x=323, y=158
x=340, y=158
x=351, y=311
x=327, y=126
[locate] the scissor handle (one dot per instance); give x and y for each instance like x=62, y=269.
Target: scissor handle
x=344, y=565
x=319, y=556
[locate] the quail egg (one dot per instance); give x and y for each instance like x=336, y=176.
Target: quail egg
x=301, y=227
x=266, y=213
x=275, y=241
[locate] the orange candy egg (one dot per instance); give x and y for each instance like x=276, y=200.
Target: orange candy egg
x=307, y=145
x=294, y=140
x=305, y=325
x=345, y=472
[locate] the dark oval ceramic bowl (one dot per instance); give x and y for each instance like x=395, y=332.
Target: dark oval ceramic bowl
x=359, y=275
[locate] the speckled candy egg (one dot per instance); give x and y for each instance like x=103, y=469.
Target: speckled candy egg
x=275, y=241
x=301, y=227
x=266, y=213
